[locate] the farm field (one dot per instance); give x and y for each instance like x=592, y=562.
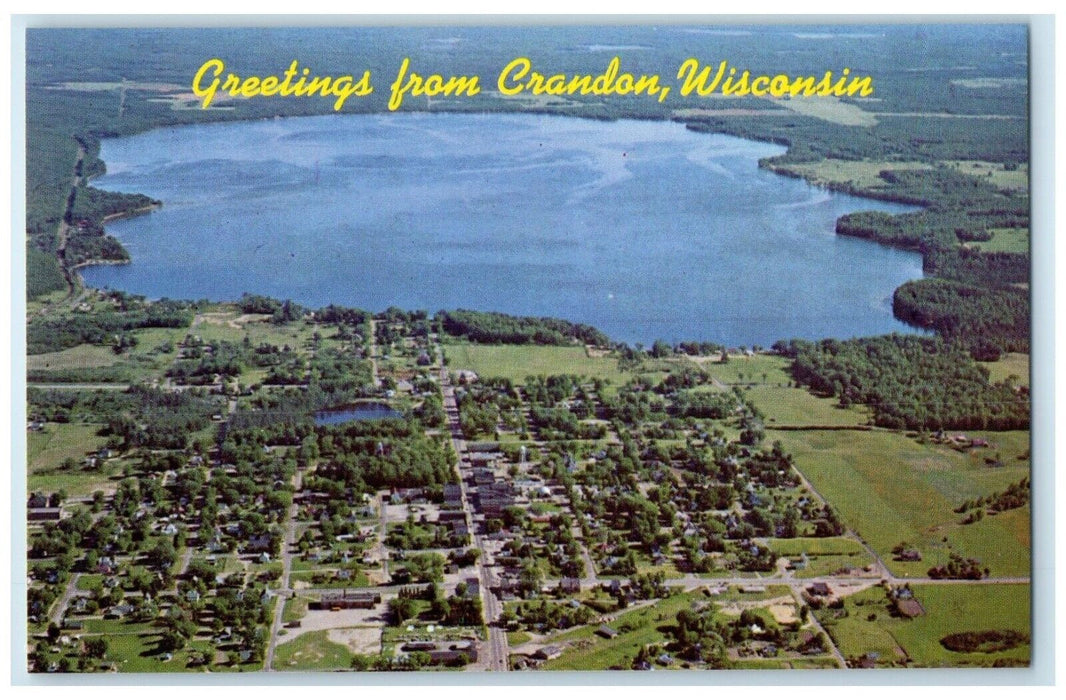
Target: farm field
x=785, y=405
x=890, y=488
x=869, y=626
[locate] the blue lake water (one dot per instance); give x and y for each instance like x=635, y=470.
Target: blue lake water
x=363, y=411
x=643, y=229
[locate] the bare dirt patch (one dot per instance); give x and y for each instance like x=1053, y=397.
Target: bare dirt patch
x=359, y=640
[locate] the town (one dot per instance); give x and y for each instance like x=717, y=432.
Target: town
x=256, y=486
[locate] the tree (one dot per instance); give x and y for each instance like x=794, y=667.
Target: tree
x=96, y=647
x=402, y=609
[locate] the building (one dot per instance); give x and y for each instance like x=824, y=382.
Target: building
x=347, y=600
x=570, y=584
x=453, y=496
x=819, y=589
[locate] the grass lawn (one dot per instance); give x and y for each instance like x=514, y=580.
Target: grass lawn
x=515, y=639
x=312, y=651
x=357, y=580
x=295, y=609
x=517, y=362
x=889, y=488
x=869, y=627
x=139, y=653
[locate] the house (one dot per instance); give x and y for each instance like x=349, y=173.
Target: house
x=549, y=652
x=119, y=611
x=453, y=496
x=447, y=651
x=258, y=543
x=44, y=514
x=570, y=584
x=607, y=632
x=819, y=588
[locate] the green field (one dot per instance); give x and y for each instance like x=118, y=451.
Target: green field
x=794, y=406
x=516, y=362
x=995, y=173
x=825, y=555
x=1005, y=240
x=858, y=173
x=889, y=488
x=48, y=448
x=744, y=369
x=950, y=608
x=590, y=652
x=312, y=651
x=78, y=357
x=1012, y=363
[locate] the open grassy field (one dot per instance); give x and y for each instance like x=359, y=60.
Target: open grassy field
x=78, y=357
x=47, y=449
x=590, y=652
x=783, y=405
x=1005, y=240
x=869, y=626
x=995, y=173
x=517, y=362
x=1013, y=363
x=889, y=488
x=830, y=109
x=312, y=651
x=825, y=555
x=860, y=173
x=226, y=322
x=743, y=369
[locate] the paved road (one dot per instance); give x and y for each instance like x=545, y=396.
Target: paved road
x=496, y=654
x=81, y=387
x=60, y=606
x=288, y=546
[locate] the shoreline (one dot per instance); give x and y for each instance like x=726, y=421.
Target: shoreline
x=765, y=163
x=130, y=213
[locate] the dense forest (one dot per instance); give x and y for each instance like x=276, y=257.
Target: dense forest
x=909, y=382
x=490, y=327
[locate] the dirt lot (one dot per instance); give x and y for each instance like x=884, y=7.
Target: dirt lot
x=359, y=640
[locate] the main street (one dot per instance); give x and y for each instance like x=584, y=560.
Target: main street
x=496, y=655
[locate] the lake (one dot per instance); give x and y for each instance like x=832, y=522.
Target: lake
x=362, y=411
x=643, y=229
